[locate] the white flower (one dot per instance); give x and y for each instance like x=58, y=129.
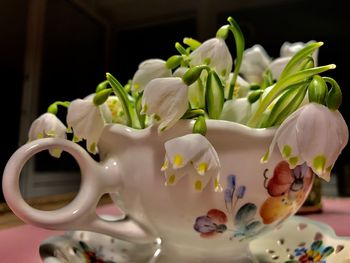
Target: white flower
x=237, y=110
x=215, y=53
x=112, y=111
x=48, y=125
x=241, y=86
x=191, y=155
x=166, y=99
x=148, y=70
x=86, y=121
x=287, y=51
x=255, y=61
x=312, y=134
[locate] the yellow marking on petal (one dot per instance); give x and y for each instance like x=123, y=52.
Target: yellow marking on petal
x=171, y=179
x=144, y=108
x=178, y=160
x=198, y=185
x=136, y=86
x=69, y=130
x=40, y=135
x=92, y=147
x=157, y=117
x=217, y=186
x=266, y=156
x=165, y=165
x=202, y=168
x=329, y=168
x=56, y=152
x=293, y=160
x=75, y=138
x=236, y=90
x=287, y=151
x=319, y=163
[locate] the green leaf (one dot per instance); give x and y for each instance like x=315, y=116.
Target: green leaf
x=283, y=84
x=294, y=64
x=240, y=43
x=287, y=103
x=214, y=95
x=127, y=104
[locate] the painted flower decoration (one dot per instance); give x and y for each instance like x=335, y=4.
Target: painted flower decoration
x=296, y=138
x=85, y=118
x=166, y=100
x=48, y=125
x=194, y=156
x=317, y=253
x=148, y=70
x=212, y=224
x=214, y=53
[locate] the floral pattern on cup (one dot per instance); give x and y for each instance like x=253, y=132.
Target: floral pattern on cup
x=287, y=189
x=89, y=254
x=317, y=252
x=244, y=221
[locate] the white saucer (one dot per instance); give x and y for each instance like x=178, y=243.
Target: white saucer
x=295, y=239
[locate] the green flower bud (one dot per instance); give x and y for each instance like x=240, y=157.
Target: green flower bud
x=53, y=108
x=214, y=96
x=254, y=86
x=192, y=43
x=101, y=96
x=192, y=74
x=200, y=126
x=223, y=32
x=103, y=85
x=254, y=96
x=334, y=97
x=180, y=49
x=174, y=61
x=317, y=90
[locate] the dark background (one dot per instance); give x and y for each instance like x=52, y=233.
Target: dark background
x=82, y=40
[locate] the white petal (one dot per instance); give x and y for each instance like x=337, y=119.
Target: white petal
x=48, y=125
x=166, y=98
x=237, y=110
x=255, y=61
x=148, y=70
x=323, y=134
x=216, y=54
x=277, y=66
x=289, y=49
x=181, y=150
x=86, y=120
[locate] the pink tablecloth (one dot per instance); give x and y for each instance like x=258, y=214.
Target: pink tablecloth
x=20, y=244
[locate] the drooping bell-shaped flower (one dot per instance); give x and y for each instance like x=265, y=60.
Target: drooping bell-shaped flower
x=214, y=53
x=86, y=120
x=255, y=61
x=312, y=134
x=166, y=99
x=191, y=155
x=48, y=125
x=148, y=70
x=237, y=110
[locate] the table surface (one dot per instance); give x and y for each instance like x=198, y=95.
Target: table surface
x=20, y=244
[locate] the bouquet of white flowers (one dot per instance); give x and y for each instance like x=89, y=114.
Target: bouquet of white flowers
x=202, y=81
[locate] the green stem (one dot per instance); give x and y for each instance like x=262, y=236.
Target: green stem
x=129, y=108
x=283, y=84
x=240, y=43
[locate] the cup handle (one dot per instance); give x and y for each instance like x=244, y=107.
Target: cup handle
x=80, y=213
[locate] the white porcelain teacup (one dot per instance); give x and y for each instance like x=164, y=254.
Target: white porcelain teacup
x=194, y=226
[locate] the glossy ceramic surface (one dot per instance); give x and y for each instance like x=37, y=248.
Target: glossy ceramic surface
x=255, y=197
x=290, y=242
